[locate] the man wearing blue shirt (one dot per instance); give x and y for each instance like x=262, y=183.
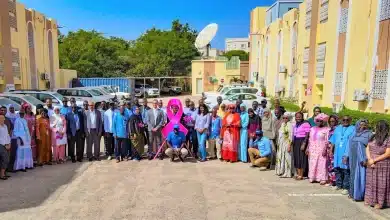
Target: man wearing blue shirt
x=65, y=109
x=108, y=131
x=260, y=151
x=214, y=141
x=176, y=144
x=119, y=129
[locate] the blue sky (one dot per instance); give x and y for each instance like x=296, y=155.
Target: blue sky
x=130, y=18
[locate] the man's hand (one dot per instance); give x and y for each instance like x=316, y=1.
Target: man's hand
x=289, y=148
x=257, y=156
x=21, y=142
x=154, y=129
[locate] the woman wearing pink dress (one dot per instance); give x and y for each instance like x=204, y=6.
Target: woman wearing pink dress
x=30, y=118
x=317, y=150
x=59, y=140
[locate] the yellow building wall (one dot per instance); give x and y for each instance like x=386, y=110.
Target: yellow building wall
x=197, y=73
x=65, y=76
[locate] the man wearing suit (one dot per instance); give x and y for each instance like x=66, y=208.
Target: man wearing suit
x=75, y=132
x=155, y=121
x=93, y=131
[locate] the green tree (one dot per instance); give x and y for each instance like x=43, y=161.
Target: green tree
x=244, y=56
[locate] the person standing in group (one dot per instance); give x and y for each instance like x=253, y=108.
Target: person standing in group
x=59, y=138
x=317, y=150
x=222, y=111
x=24, y=159
x=93, y=131
x=284, y=167
x=301, y=130
x=108, y=129
x=255, y=107
x=230, y=135
x=11, y=114
x=85, y=106
x=268, y=126
x=219, y=100
x=136, y=130
x=254, y=125
x=5, y=146
x=144, y=112
x=49, y=106
x=7, y=121
x=43, y=133
x=214, y=141
x=120, y=132
x=355, y=155
x=192, y=138
x=316, y=111
x=202, y=123
x=243, y=149
x=333, y=121
x=155, y=121
x=75, y=131
x=187, y=103
x=377, y=192
x=30, y=118
x=260, y=151
x=339, y=141
x=238, y=106
x=163, y=109
x=65, y=109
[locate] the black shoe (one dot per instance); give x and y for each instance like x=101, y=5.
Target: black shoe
x=196, y=157
x=49, y=163
x=253, y=166
x=90, y=159
x=161, y=157
x=181, y=159
x=73, y=161
x=97, y=159
x=24, y=170
x=172, y=158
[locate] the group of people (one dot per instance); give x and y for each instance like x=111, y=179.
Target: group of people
x=349, y=158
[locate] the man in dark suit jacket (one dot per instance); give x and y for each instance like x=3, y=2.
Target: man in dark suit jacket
x=75, y=132
x=93, y=128
x=155, y=121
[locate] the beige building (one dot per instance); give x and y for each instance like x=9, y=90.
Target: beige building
x=237, y=44
x=28, y=48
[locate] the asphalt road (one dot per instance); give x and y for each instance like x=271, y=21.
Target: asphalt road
x=163, y=190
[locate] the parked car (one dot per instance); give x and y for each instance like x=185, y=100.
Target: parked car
x=246, y=98
x=5, y=102
x=223, y=89
x=114, y=91
x=170, y=89
x=21, y=99
x=43, y=95
x=82, y=94
x=229, y=91
x=146, y=90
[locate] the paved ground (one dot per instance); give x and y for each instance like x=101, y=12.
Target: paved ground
x=164, y=190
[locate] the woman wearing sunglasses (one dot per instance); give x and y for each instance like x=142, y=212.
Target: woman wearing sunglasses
x=317, y=150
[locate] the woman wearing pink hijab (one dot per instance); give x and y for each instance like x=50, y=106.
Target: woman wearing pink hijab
x=317, y=150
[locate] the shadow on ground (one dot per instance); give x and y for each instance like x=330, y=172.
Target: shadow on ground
x=31, y=189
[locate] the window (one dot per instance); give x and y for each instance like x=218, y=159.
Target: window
x=249, y=97
x=83, y=93
x=16, y=99
x=43, y=98
x=308, y=14
x=15, y=62
x=306, y=62
x=234, y=97
x=243, y=46
x=338, y=83
x=321, y=54
x=1, y=65
x=324, y=11
x=12, y=15
x=385, y=10
x=32, y=100
x=343, y=21
x=379, y=84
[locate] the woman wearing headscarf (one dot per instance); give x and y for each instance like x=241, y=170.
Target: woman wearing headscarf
x=24, y=159
x=30, y=118
x=43, y=134
x=355, y=156
x=254, y=125
x=59, y=140
x=333, y=121
x=222, y=111
x=230, y=134
x=11, y=114
x=316, y=111
x=378, y=168
x=269, y=130
x=137, y=134
x=301, y=130
x=242, y=153
x=283, y=167
x=317, y=150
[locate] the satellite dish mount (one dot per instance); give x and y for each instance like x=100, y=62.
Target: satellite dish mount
x=205, y=37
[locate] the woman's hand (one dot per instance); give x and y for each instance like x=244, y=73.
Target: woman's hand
x=370, y=162
x=303, y=147
x=289, y=148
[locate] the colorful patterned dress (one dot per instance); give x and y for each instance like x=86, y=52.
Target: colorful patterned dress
x=318, y=143
x=283, y=167
x=231, y=136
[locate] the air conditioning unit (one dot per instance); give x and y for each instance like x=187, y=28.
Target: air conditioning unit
x=360, y=95
x=45, y=76
x=279, y=88
x=282, y=69
x=337, y=107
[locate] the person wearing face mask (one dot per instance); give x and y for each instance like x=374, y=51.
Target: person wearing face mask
x=317, y=150
x=24, y=157
x=355, y=156
x=339, y=141
x=260, y=151
x=176, y=141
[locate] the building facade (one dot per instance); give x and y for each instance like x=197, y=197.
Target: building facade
x=28, y=48
x=329, y=53
x=279, y=8
x=237, y=44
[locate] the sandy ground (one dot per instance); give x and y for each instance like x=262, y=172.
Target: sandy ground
x=164, y=190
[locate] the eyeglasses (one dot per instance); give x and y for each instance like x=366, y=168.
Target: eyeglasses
x=285, y=117
x=345, y=120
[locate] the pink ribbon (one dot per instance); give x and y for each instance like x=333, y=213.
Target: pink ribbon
x=174, y=119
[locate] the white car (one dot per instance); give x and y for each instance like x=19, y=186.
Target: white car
x=83, y=94
x=146, y=90
x=229, y=91
x=43, y=95
x=119, y=95
x=20, y=99
x=246, y=98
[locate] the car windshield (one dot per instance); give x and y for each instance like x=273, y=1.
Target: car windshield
x=108, y=89
x=103, y=91
x=58, y=96
x=95, y=93
x=32, y=100
x=224, y=90
x=219, y=88
x=5, y=102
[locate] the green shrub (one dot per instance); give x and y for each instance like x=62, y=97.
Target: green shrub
x=289, y=105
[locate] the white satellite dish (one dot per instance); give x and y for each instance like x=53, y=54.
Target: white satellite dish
x=205, y=37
